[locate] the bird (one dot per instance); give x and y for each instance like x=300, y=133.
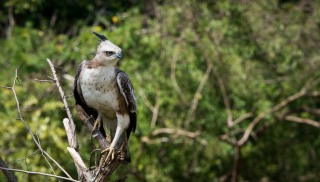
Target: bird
x=106, y=92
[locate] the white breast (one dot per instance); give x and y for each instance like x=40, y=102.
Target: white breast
x=99, y=89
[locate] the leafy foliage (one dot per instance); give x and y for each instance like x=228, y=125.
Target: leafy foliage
x=193, y=66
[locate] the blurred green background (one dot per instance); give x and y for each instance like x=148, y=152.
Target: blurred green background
x=204, y=72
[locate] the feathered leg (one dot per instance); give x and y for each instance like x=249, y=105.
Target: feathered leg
x=122, y=124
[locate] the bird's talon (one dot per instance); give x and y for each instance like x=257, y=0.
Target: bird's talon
x=110, y=153
x=97, y=123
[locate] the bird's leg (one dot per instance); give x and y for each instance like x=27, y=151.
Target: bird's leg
x=123, y=122
x=97, y=123
x=110, y=149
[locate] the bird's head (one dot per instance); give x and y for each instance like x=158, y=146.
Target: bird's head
x=107, y=52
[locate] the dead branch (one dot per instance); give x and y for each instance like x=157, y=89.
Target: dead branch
x=241, y=118
x=60, y=90
x=88, y=121
x=197, y=96
x=277, y=107
x=155, y=112
x=154, y=109
x=176, y=131
x=175, y=84
x=36, y=141
x=9, y=175
x=225, y=97
x=38, y=173
x=173, y=133
x=72, y=139
x=302, y=120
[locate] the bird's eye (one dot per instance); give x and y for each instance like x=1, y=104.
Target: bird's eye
x=109, y=53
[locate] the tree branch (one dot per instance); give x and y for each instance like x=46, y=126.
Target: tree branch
x=277, y=107
x=302, y=120
x=44, y=153
x=9, y=175
x=38, y=173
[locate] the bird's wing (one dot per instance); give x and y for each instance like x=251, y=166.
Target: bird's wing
x=77, y=93
x=126, y=89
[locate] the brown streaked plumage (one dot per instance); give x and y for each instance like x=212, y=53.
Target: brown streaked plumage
x=106, y=92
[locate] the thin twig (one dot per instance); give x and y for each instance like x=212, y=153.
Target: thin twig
x=60, y=90
x=241, y=118
x=37, y=80
x=155, y=112
x=27, y=127
x=38, y=173
x=154, y=109
x=197, y=96
x=175, y=84
x=225, y=97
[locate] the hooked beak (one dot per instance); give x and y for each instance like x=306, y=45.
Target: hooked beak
x=119, y=55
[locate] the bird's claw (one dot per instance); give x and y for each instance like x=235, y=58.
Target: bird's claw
x=96, y=124
x=111, y=152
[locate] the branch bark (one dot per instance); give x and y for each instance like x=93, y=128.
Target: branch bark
x=302, y=120
x=9, y=175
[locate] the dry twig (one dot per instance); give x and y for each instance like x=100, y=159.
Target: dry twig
x=35, y=140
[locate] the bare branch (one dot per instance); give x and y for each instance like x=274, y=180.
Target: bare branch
x=225, y=97
x=38, y=173
x=71, y=134
x=175, y=84
x=88, y=121
x=277, y=107
x=302, y=120
x=37, y=80
x=176, y=131
x=143, y=95
x=197, y=96
x=72, y=139
x=155, y=111
x=241, y=118
x=83, y=171
x=29, y=130
x=9, y=175
x=60, y=90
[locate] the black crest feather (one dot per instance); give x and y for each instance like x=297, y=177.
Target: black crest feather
x=102, y=37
